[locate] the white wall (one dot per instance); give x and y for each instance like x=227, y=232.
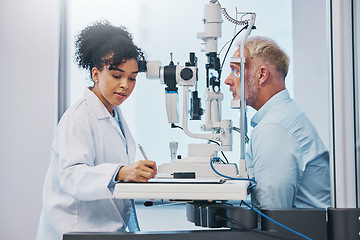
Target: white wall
x=28, y=63
x=311, y=63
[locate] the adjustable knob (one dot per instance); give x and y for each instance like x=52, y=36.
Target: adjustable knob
x=186, y=74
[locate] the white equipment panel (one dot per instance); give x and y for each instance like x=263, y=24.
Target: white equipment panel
x=181, y=189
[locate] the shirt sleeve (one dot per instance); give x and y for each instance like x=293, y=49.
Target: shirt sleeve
x=275, y=166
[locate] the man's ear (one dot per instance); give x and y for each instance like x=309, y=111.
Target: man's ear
x=263, y=74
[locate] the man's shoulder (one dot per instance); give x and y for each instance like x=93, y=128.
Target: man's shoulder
x=284, y=114
x=291, y=120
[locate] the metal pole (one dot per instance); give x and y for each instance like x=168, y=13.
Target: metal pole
x=343, y=117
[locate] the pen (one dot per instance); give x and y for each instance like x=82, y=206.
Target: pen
x=144, y=155
x=142, y=151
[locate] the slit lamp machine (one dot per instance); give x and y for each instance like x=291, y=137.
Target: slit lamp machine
x=202, y=175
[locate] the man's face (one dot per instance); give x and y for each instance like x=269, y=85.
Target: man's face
x=233, y=80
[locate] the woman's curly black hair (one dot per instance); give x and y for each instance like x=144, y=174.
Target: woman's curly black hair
x=102, y=44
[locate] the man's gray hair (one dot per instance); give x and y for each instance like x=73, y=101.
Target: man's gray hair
x=268, y=50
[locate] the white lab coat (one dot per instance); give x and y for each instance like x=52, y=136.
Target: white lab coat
x=87, y=149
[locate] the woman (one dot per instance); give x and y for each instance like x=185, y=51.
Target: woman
x=93, y=148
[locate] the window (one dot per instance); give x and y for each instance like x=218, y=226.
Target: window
x=160, y=27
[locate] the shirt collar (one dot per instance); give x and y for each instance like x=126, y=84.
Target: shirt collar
x=277, y=98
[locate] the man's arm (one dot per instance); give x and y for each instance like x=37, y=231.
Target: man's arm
x=276, y=159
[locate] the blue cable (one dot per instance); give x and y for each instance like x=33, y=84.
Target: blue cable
x=254, y=209
x=228, y=177
x=281, y=225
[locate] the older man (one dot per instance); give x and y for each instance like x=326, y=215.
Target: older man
x=285, y=155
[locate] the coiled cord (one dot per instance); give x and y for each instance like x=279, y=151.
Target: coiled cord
x=232, y=20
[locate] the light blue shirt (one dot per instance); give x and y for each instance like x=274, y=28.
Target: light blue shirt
x=287, y=158
x=133, y=224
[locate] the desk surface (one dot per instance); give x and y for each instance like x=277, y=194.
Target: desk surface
x=229, y=190
x=178, y=235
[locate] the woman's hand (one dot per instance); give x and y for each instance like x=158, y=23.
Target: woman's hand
x=140, y=171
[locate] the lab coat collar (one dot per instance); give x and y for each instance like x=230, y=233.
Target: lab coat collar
x=102, y=113
x=277, y=98
x=99, y=109
x=129, y=138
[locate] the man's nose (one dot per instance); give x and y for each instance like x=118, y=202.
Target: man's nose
x=229, y=81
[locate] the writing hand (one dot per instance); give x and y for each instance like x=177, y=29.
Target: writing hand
x=140, y=171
